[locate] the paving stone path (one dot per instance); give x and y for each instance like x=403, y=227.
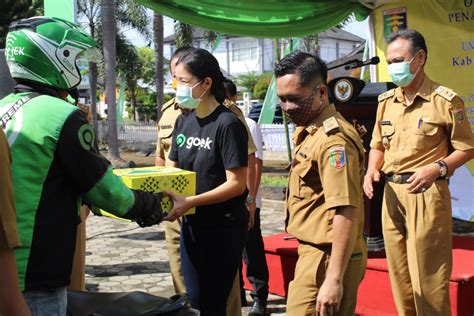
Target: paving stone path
x=123, y=257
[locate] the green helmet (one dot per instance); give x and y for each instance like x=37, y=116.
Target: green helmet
x=45, y=50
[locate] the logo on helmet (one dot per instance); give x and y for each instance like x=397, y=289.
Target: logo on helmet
x=13, y=51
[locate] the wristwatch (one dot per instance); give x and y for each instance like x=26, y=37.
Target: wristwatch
x=249, y=199
x=443, y=168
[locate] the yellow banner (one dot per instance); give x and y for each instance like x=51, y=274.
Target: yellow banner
x=448, y=28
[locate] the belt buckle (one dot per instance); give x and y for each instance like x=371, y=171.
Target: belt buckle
x=397, y=178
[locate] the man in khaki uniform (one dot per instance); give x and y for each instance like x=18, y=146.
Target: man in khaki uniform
x=421, y=136
x=237, y=295
x=234, y=302
x=324, y=196
x=11, y=299
x=169, y=113
x=78, y=273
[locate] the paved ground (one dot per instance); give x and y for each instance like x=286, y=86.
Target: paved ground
x=122, y=257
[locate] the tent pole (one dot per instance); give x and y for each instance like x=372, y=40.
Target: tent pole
x=372, y=48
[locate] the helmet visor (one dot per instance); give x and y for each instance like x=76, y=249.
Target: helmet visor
x=92, y=54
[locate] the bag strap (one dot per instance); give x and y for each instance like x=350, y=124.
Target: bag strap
x=8, y=115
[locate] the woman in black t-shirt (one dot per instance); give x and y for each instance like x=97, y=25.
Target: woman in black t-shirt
x=212, y=142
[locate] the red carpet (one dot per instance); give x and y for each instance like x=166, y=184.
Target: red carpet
x=375, y=295
x=281, y=257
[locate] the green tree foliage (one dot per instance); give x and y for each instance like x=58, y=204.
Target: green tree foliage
x=184, y=34
x=248, y=80
x=12, y=10
x=127, y=14
x=261, y=87
x=147, y=60
x=145, y=105
x=138, y=69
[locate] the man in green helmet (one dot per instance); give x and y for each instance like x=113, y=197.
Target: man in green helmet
x=55, y=163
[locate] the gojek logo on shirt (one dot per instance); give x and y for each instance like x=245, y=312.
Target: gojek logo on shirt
x=193, y=141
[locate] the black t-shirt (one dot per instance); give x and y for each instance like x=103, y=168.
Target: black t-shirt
x=209, y=146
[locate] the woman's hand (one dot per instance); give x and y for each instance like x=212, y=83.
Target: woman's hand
x=181, y=204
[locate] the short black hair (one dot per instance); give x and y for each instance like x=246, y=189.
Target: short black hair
x=181, y=52
x=308, y=66
x=230, y=88
x=417, y=41
x=201, y=64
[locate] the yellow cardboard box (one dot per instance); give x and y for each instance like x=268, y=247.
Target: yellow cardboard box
x=159, y=179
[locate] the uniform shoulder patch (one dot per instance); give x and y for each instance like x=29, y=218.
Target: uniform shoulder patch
x=331, y=125
x=446, y=93
x=337, y=156
x=386, y=95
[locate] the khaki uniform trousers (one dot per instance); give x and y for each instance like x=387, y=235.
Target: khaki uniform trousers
x=310, y=273
x=78, y=273
x=173, y=235
x=417, y=232
x=234, y=307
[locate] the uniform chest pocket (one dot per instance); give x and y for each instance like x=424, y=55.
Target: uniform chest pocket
x=303, y=178
x=426, y=135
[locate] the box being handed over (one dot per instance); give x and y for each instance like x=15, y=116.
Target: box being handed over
x=159, y=179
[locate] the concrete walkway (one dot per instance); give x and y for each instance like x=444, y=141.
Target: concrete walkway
x=123, y=257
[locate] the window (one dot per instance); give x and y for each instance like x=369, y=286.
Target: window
x=244, y=50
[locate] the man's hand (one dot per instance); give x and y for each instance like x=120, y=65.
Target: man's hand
x=156, y=215
x=329, y=297
x=180, y=206
x=421, y=180
x=371, y=176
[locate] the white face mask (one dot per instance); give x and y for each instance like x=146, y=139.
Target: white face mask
x=400, y=73
x=184, y=96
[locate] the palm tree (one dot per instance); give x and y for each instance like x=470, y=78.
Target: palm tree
x=129, y=67
x=159, y=73
x=184, y=34
x=128, y=14
x=90, y=9
x=109, y=29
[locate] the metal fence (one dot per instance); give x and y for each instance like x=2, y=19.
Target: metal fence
x=145, y=132
x=274, y=137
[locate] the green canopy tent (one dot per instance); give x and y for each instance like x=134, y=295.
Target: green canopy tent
x=262, y=18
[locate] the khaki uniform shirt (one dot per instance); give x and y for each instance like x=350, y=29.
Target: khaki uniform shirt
x=326, y=173
x=170, y=112
x=235, y=109
x=8, y=230
x=419, y=134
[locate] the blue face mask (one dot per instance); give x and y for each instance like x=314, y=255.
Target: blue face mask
x=184, y=96
x=400, y=73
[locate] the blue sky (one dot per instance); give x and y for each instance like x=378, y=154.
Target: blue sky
x=358, y=28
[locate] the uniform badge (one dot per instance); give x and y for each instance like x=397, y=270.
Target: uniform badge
x=459, y=114
x=385, y=143
x=337, y=157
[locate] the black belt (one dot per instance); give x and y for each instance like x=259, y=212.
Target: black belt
x=398, y=178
